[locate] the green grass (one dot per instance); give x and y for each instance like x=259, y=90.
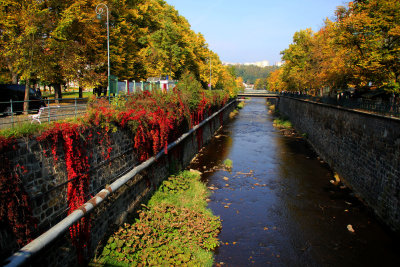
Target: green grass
x=21, y=130
x=174, y=229
x=271, y=108
x=27, y=129
x=228, y=163
x=240, y=105
x=283, y=123
x=72, y=94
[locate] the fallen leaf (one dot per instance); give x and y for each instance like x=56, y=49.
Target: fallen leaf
x=195, y=171
x=226, y=178
x=350, y=228
x=213, y=188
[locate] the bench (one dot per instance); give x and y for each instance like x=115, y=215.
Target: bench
x=45, y=113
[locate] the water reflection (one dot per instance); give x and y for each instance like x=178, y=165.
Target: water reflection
x=278, y=206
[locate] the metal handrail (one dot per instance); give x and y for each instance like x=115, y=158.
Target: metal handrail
x=76, y=104
x=378, y=107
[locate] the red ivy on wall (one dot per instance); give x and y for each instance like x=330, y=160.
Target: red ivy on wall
x=69, y=136
x=14, y=201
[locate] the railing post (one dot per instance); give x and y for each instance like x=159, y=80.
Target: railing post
x=12, y=113
x=48, y=104
x=134, y=86
x=76, y=109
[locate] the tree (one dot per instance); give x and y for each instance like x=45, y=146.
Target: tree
x=275, y=81
x=250, y=73
x=60, y=40
x=239, y=83
x=297, y=70
x=370, y=31
x=23, y=26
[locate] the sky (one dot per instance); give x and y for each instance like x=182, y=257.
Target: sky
x=242, y=31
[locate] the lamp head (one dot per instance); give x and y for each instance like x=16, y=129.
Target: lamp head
x=99, y=16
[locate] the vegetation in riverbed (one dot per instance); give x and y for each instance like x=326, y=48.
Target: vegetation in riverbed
x=175, y=228
x=271, y=108
x=240, y=105
x=236, y=111
x=228, y=164
x=283, y=123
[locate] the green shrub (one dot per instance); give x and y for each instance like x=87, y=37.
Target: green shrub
x=191, y=90
x=240, y=105
x=228, y=163
x=282, y=123
x=20, y=130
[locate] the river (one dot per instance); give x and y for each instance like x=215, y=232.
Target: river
x=278, y=205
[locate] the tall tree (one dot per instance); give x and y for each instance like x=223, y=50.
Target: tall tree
x=298, y=64
x=370, y=30
x=22, y=32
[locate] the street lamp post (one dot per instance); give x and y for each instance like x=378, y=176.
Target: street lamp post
x=210, y=71
x=99, y=11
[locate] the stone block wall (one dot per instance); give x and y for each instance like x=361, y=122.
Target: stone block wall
x=363, y=148
x=46, y=184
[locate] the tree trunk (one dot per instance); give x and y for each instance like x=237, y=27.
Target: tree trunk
x=80, y=92
x=14, y=77
x=26, y=98
x=57, y=92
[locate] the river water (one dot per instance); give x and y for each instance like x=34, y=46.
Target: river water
x=278, y=205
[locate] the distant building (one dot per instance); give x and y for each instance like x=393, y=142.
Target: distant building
x=278, y=64
x=264, y=63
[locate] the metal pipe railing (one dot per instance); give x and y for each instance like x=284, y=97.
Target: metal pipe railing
x=25, y=253
x=71, y=107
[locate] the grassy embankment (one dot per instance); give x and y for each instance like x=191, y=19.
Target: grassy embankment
x=235, y=112
x=280, y=121
x=175, y=228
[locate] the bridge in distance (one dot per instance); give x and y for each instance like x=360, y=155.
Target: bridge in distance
x=248, y=92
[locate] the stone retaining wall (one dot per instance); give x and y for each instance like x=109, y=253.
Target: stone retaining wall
x=364, y=149
x=46, y=184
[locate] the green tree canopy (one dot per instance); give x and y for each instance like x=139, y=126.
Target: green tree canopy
x=56, y=41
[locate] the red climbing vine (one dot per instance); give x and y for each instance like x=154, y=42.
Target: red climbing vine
x=69, y=136
x=14, y=201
